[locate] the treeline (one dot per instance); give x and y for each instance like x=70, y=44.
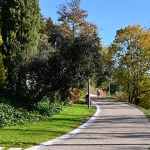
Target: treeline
x=41, y=58
x=126, y=66
x=131, y=54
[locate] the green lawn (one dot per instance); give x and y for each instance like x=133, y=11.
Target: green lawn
x=28, y=135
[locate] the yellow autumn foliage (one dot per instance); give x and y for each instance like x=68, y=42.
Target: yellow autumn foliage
x=132, y=53
x=1, y=41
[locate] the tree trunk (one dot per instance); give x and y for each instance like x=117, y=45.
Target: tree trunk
x=129, y=93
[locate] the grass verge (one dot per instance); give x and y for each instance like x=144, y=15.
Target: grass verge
x=28, y=135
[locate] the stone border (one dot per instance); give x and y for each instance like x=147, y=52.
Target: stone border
x=72, y=133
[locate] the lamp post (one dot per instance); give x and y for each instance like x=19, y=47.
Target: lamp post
x=89, y=94
x=109, y=90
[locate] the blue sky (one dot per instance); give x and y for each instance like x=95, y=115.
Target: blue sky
x=108, y=15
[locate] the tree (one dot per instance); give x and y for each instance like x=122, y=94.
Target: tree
x=78, y=43
x=47, y=26
x=132, y=54
x=20, y=33
x=2, y=71
x=2, y=68
x=105, y=75
x=75, y=55
x=0, y=14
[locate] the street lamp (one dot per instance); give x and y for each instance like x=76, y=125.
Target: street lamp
x=89, y=94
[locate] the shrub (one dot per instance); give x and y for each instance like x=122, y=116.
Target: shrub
x=47, y=108
x=122, y=96
x=145, y=100
x=74, y=95
x=10, y=115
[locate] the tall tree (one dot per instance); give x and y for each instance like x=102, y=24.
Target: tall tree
x=104, y=76
x=0, y=14
x=2, y=71
x=75, y=55
x=78, y=43
x=47, y=25
x=132, y=55
x=2, y=68
x=20, y=28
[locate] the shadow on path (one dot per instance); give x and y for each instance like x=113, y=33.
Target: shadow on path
x=119, y=127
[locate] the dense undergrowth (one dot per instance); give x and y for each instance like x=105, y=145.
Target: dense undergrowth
x=11, y=112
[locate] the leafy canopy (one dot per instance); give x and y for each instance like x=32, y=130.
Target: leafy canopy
x=132, y=54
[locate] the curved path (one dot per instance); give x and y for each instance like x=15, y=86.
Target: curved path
x=119, y=127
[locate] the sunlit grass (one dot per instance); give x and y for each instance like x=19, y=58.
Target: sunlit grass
x=32, y=134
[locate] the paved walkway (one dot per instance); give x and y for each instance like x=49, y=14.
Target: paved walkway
x=119, y=127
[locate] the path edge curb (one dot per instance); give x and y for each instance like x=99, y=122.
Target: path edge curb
x=72, y=133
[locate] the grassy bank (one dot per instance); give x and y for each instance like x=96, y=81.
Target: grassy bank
x=32, y=134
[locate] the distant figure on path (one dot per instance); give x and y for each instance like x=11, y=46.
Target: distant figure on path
x=98, y=92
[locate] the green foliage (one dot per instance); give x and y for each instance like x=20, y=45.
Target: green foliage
x=11, y=116
x=38, y=80
x=47, y=108
x=47, y=26
x=11, y=112
x=7, y=97
x=20, y=39
x=78, y=43
x=145, y=100
x=2, y=71
x=132, y=55
x=1, y=41
x=105, y=72
x=27, y=135
x=74, y=57
x=2, y=68
x=52, y=72
x=24, y=27
x=44, y=49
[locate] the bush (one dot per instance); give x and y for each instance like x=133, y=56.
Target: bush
x=145, y=100
x=47, y=108
x=122, y=96
x=10, y=115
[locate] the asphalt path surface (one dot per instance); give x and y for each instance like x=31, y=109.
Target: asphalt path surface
x=119, y=127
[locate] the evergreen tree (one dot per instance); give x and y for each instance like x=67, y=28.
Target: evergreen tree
x=0, y=13
x=20, y=28
x=2, y=68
